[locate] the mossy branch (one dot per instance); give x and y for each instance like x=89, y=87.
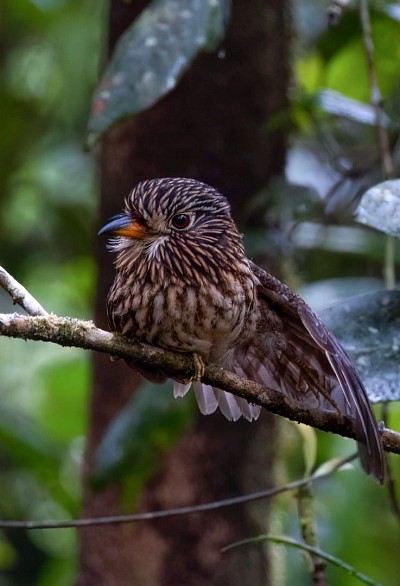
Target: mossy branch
x=67, y=331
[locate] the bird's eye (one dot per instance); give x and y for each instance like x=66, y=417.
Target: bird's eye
x=181, y=221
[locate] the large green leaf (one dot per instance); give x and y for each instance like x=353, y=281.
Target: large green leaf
x=152, y=55
x=26, y=445
x=150, y=424
x=369, y=328
x=63, y=408
x=344, y=54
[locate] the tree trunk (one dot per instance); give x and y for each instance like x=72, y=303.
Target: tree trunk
x=212, y=127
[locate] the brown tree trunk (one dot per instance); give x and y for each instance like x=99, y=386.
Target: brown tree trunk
x=212, y=127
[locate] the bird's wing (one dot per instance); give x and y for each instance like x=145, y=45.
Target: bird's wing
x=302, y=358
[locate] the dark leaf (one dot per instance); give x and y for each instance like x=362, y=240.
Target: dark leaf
x=150, y=424
x=152, y=55
x=25, y=444
x=369, y=328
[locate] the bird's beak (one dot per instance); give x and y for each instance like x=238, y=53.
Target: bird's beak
x=123, y=225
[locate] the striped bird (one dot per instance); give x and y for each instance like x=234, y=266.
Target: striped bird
x=184, y=283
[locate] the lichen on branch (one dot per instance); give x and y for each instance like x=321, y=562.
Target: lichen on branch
x=67, y=331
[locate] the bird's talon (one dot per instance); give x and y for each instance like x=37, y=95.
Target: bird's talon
x=199, y=367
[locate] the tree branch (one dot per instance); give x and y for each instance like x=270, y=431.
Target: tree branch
x=20, y=295
x=67, y=331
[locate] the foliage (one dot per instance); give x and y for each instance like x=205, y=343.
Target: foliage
x=152, y=55
x=47, y=217
x=379, y=207
x=50, y=53
x=149, y=425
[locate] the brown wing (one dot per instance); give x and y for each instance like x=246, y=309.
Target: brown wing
x=296, y=353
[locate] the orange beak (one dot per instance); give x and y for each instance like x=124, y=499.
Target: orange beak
x=122, y=225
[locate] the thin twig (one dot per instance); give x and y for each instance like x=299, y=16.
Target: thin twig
x=389, y=271
x=309, y=533
x=286, y=540
x=151, y=515
x=375, y=93
x=20, y=295
x=388, y=168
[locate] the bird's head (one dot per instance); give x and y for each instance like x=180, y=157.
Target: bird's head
x=180, y=224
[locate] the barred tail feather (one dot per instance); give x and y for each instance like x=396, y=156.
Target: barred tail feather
x=371, y=459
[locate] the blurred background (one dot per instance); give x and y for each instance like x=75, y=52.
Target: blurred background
x=51, y=54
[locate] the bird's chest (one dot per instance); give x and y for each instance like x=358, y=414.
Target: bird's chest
x=208, y=318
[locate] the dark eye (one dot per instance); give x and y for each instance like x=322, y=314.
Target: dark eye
x=181, y=221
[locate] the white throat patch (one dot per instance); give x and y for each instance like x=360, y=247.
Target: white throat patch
x=152, y=248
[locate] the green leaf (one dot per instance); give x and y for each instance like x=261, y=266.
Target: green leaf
x=380, y=207
x=344, y=52
x=25, y=444
x=368, y=327
x=152, y=55
x=63, y=409
x=150, y=424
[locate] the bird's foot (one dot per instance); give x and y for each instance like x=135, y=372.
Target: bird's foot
x=199, y=367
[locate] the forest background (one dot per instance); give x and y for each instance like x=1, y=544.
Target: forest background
x=52, y=54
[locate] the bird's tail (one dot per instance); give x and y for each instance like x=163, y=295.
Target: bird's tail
x=210, y=398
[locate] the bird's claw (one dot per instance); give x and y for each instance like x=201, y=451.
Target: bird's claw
x=199, y=367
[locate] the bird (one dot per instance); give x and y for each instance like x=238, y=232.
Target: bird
x=183, y=282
